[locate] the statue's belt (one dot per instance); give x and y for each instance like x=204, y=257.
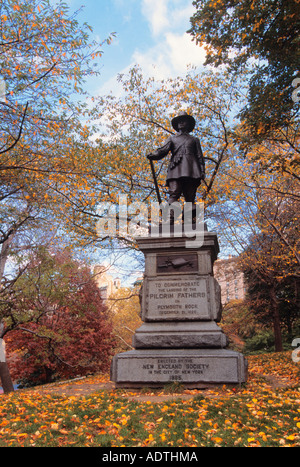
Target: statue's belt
x=175, y=160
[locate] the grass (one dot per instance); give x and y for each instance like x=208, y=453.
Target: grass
x=256, y=414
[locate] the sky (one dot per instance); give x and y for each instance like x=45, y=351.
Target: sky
x=151, y=33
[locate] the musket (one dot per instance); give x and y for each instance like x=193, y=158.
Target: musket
x=155, y=181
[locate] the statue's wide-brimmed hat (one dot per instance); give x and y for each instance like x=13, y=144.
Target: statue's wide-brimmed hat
x=183, y=116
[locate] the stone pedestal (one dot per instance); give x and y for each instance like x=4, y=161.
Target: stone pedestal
x=179, y=339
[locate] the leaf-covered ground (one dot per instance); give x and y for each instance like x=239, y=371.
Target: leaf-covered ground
x=264, y=412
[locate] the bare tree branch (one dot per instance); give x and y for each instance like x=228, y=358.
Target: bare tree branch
x=19, y=135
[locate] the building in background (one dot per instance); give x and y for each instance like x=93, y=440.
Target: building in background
x=107, y=284
x=230, y=278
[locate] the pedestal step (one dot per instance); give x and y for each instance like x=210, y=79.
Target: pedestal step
x=193, y=368
x=179, y=335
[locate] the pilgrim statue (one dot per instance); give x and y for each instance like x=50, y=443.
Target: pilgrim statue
x=186, y=168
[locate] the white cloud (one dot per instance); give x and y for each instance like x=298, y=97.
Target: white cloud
x=156, y=12
x=166, y=15
x=170, y=57
x=154, y=62
x=180, y=15
x=184, y=52
x=173, y=50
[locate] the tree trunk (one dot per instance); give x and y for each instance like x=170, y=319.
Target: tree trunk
x=5, y=378
x=276, y=321
x=4, y=253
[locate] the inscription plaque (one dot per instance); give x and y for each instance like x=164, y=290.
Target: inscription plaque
x=174, y=369
x=176, y=263
x=186, y=298
x=184, y=366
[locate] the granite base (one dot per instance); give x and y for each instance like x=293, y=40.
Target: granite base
x=189, y=367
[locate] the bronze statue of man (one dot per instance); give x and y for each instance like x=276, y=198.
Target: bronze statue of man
x=186, y=168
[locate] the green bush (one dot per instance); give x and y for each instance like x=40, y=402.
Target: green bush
x=260, y=343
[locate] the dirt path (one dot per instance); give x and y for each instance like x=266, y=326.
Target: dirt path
x=86, y=386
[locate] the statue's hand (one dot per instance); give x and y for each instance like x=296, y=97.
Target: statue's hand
x=149, y=156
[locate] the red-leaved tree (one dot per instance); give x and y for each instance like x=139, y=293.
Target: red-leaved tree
x=65, y=332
